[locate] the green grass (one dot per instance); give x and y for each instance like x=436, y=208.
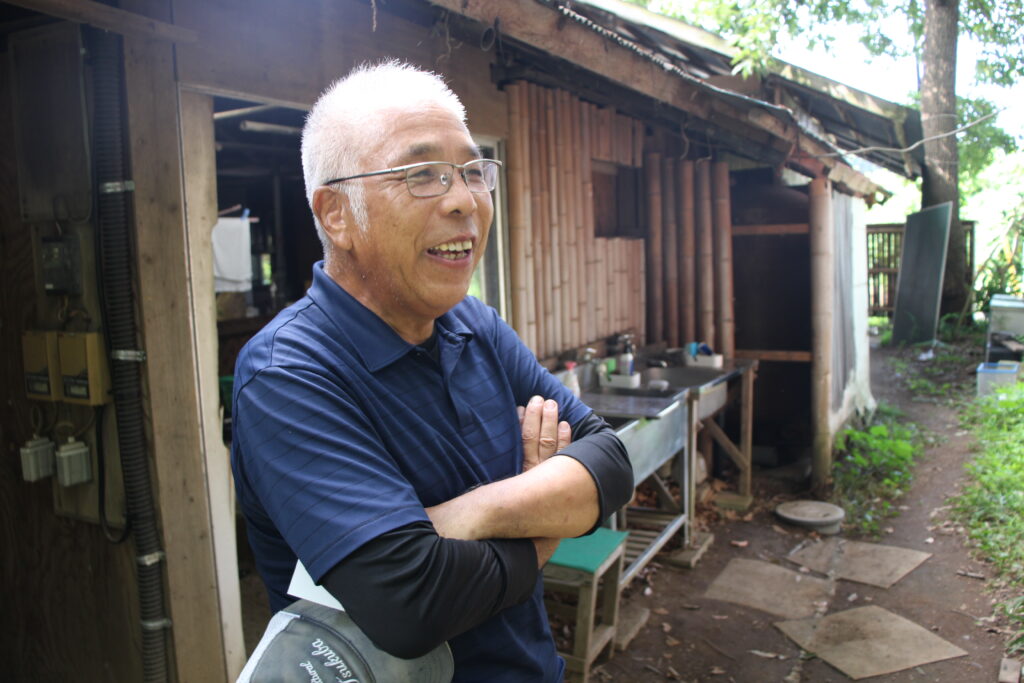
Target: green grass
x=991, y=506
x=874, y=467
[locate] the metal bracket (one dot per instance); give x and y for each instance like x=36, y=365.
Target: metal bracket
x=130, y=355
x=155, y=624
x=151, y=558
x=117, y=186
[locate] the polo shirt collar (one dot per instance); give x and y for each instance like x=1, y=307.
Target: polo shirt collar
x=372, y=339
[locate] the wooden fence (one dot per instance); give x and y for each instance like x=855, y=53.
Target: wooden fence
x=885, y=248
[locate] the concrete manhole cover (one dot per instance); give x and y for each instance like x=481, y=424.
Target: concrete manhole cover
x=819, y=516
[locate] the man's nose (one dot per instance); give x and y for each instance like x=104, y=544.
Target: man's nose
x=459, y=198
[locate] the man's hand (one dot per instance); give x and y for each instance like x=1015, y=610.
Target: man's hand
x=543, y=434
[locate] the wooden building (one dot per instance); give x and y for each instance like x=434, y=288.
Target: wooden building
x=647, y=190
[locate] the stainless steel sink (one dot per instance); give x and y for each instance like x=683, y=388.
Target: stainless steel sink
x=706, y=384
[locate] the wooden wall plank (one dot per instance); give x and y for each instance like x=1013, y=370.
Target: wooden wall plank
x=168, y=331
x=199, y=156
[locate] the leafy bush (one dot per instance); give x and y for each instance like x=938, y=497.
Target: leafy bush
x=874, y=468
x=991, y=506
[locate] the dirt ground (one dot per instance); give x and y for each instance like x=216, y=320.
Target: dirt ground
x=691, y=638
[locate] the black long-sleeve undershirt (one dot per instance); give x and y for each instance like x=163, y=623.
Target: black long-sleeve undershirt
x=411, y=590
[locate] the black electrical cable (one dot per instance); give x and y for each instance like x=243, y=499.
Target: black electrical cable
x=101, y=475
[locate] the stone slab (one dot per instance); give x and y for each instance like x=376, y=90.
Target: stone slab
x=869, y=641
x=870, y=563
x=769, y=588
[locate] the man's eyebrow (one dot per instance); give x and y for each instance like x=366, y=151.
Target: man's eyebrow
x=427, y=149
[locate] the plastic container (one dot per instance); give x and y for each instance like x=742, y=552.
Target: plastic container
x=992, y=376
x=1006, y=314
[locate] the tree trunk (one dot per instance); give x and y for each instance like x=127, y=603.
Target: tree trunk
x=940, y=175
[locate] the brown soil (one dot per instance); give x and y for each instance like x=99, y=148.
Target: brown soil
x=692, y=638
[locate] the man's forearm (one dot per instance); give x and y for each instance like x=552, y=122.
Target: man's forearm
x=557, y=498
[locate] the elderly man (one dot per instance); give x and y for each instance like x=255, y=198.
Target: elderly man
x=377, y=437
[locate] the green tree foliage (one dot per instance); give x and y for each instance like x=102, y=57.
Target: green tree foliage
x=755, y=26
x=979, y=143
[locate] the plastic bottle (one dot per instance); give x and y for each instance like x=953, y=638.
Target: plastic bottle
x=571, y=380
x=626, y=360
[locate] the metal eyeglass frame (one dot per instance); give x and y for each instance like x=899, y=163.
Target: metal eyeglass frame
x=461, y=168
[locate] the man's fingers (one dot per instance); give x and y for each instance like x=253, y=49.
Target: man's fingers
x=532, y=417
x=549, y=429
x=521, y=411
x=564, y=434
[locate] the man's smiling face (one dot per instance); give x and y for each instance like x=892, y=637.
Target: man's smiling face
x=414, y=259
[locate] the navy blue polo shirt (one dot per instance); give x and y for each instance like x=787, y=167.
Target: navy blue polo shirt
x=344, y=431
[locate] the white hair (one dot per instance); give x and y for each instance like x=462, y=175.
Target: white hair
x=346, y=120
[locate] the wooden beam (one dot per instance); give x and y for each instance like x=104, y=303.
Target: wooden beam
x=109, y=19
x=549, y=31
x=771, y=229
x=773, y=355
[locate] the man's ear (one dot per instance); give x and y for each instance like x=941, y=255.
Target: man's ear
x=332, y=208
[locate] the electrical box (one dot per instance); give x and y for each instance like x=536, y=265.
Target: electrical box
x=61, y=265
x=74, y=463
x=85, y=377
x=37, y=459
x=41, y=362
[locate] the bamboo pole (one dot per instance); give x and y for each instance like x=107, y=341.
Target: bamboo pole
x=640, y=285
x=822, y=286
x=582, y=301
x=669, y=251
x=530, y=145
x=655, y=270
x=560, y=236
x=687, y=252
x=554, y=284
x=517, y=213
x=526, y=201
x=594, y=308
x=706, y=257
x=724, y=320
x=572, y=313
x=541, y=293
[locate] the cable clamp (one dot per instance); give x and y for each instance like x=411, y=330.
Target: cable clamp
x=131, y=355
x=150, y=559
x=155, y=624
x=115, y=186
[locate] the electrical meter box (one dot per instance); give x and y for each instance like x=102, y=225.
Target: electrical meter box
x=85, y=378
x=41, y=362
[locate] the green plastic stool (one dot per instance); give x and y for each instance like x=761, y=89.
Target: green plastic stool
x=588, y=566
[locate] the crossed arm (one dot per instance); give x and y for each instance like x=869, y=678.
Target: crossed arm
x=422, y=584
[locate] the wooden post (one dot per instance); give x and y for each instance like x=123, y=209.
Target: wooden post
x=822, y=286
x=177, y=384
x=706, y=261
x=723, y=260
x=655, y=270
x=670, y=253
x=687, y=252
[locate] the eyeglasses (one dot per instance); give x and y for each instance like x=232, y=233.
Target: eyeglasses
x=434, y=178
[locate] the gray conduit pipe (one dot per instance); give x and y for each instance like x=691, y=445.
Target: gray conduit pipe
x=113, y=210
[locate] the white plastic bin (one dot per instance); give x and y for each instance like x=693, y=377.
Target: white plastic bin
x=992, y=376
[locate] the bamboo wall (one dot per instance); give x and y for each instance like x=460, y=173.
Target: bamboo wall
x=569, y=287
x=689, y=252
